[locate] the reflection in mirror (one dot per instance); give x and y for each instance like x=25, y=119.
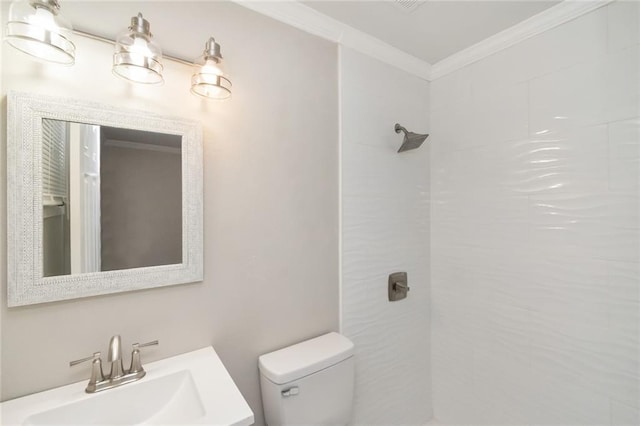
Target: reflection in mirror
x=112, y=198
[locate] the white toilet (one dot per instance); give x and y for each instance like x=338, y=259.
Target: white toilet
x=310, y=383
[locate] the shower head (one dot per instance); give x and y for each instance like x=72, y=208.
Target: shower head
x=411, y=140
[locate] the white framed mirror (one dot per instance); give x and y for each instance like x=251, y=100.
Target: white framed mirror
x=100, y=199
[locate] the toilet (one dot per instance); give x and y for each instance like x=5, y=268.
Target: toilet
x=309, y=383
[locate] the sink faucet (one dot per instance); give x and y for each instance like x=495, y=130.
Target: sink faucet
x=118, y=375
x=114, y=356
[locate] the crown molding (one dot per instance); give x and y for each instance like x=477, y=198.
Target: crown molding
x=311, y=21
x=543, y=21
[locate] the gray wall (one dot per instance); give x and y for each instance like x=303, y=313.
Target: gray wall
x=270, y=204
x=140, y=210
x=55, y=242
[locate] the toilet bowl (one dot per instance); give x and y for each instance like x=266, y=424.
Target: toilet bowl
x=309, y=383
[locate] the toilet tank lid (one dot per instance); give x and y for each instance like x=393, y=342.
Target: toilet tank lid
x=304, y=358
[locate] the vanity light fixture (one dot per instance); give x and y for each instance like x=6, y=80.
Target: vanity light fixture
x=209, y=81
x=37, y=28
x=137, y=57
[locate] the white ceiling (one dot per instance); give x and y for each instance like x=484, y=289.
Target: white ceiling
x=436, y=29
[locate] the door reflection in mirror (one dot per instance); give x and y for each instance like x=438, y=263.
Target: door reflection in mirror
x=112, y=198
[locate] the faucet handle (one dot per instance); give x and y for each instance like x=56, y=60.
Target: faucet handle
x=94, y=357
x=96, y=370
x=143, y=345
x=136, y=365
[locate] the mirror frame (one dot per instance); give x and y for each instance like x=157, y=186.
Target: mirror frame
x=26, y=283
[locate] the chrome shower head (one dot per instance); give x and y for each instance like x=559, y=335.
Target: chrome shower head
x=411, y=140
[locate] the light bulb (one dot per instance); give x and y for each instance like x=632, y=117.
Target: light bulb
x=137, y=58
x=37, y=28
x=209, y=81
x=140, y=47
x=211, y=67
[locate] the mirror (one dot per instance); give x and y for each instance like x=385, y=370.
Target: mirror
x=100, y=200
x=111, y=198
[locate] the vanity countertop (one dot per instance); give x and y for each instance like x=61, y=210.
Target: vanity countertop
x=192, y=388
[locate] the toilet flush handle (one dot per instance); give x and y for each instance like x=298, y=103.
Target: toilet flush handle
x=290, y=392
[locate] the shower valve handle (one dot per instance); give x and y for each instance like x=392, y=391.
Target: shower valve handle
x=402, y=286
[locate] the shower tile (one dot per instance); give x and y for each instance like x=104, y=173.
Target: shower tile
x=385, y=228
x=623, y=24
x=624, y=155
x=623, y=304
x=585, y=226
x=624, y=281
x=572, y=43
x=499, y=114
x=575, y=337
x=622, y=84
x=380, y=172
x=452, y=376
x=446, y=129
x=451, y=90
x=568, y=161
x=601, y=90
x=570, y=98
x=623, y=415
x=536, y=238
x=500, y=373
x=555, y=401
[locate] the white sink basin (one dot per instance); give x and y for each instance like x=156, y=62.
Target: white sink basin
x=193, y=388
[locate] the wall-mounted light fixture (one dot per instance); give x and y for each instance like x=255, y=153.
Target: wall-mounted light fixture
x=37, y=27
x=209, y=81
x=137, y=57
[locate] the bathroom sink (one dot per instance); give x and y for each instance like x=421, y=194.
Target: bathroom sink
x=192, y=388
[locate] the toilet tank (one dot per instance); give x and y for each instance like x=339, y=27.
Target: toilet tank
x=309, y=383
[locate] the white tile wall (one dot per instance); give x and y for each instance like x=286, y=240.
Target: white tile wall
x=385, y=228
x=535, y=176
x=623, y=415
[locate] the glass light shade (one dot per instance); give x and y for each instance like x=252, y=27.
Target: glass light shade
x=37, y=28
x=137, y=57
x=209, y=80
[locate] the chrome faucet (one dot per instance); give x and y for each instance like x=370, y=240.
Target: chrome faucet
x=118, y=375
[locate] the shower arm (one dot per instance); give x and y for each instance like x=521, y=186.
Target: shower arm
x=398, y=128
